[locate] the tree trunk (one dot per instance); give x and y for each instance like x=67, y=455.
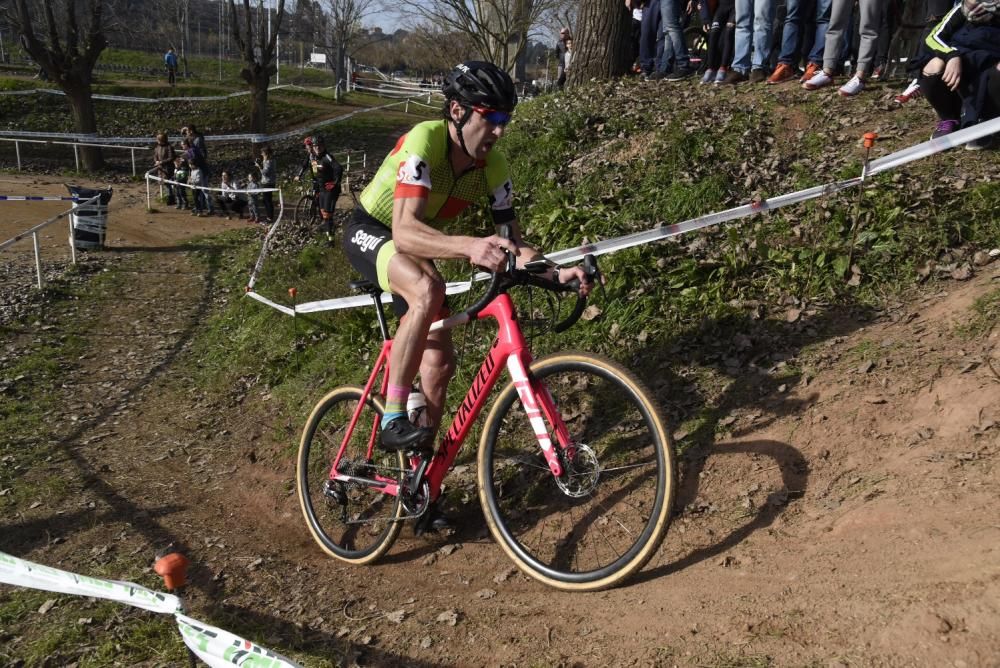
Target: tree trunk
x=81, y=103
x=600, y=46
x=258, y=102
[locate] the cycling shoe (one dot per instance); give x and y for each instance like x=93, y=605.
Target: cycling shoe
x=432, y=521
x=401, y=434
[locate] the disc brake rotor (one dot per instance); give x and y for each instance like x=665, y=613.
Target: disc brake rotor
x=581, y=474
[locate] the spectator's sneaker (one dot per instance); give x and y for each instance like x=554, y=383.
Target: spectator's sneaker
x=782, y=73
x=401, y=434
x=734, y=77
x=944, y=127
x=981, y=144
x=656, y=76
x=853, y=86
x=878, y=73
x=811, y=70
x=912, y=91
x=757, y=76
x=819, y=80
x=681, y=73
x=708, y=77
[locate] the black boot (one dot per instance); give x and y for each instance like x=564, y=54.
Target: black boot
x=401, y=434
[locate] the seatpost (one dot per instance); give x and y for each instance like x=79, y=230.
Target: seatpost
x=380, y=314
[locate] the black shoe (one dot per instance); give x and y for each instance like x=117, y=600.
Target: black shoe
x=432, y=521
x=401, y=434
x=681, y=73
x=656, y=76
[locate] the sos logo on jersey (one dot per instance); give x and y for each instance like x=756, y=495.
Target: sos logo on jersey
x=414, y=172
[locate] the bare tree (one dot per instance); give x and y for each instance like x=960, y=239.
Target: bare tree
x=66, y=39
x=498, y=29
x=600, y=45
x=345, y=26
x=257, y=48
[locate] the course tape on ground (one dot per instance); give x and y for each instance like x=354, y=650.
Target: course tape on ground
x=216, y=647
x=570, y=255
x=35, y=198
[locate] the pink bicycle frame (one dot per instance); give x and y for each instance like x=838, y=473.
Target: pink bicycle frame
x=509, y=346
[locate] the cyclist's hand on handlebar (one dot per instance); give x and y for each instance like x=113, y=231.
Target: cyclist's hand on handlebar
x=488, y=252
x=576, y=273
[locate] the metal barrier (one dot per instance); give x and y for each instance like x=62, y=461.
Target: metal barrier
x=76, y=148
x=34, y=235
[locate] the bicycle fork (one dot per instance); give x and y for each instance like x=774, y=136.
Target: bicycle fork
x=540, y=408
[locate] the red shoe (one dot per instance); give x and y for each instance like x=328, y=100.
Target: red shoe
x=810, y=71
x=782, y=73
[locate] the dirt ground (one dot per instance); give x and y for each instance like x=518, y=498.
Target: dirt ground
x=851, y=519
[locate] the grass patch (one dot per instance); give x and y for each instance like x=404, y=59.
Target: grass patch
x=984, y=317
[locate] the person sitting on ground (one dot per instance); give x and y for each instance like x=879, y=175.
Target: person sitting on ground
x=181, y=171
x=327, y=173
x=960, y=75
x=228, y=200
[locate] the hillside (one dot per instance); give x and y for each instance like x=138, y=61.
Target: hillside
x=839, y=431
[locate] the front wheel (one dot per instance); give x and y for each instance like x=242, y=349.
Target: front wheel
x=603, y=519
x=351, y=521
x=306, y=211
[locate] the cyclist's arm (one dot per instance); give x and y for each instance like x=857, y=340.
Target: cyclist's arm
x=527, y=253
x=412, y=236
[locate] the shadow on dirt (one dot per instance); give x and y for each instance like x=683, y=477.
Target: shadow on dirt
x=19, y=539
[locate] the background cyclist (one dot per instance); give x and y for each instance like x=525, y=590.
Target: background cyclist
x=327, y=173
x=435, y=171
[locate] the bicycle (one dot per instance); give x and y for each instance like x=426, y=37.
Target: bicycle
x=576, y=469
x=307, y=209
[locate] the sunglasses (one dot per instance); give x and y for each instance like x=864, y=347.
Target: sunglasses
x=500, y=118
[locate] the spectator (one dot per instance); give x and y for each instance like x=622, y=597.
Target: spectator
x=840, y=23
x=195, y=161
x=675, y=62
x=170, y=62
x=721, y=34
x=651, y=38
x=747, y=66
x=181, y=176
x=163, y=163
x=197, y=141
x=252, y=198
x=228, y=199
x=268, y=179
x=635, y=9
x=562, y=56
x=936, y=9
x=792, y=42
x=961, y=69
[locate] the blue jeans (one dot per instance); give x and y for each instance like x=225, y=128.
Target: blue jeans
x=794, y=23
x=650, y=37
x=761, y=14
x=674, y=47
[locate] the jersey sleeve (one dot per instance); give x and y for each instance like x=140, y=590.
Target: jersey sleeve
x=413, y=178
x=500, y=188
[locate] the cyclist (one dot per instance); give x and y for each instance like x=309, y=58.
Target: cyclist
x=436, y=170
x=327, y=173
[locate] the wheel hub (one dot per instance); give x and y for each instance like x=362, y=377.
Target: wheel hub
x=581, y=474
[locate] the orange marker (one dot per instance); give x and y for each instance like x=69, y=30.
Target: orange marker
x=173, y=569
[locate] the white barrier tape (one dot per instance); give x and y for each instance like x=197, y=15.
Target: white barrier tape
x=222, y=649
x=216, y=647
x=148, y=100
x=23, y=573
x=569, y=255
x=933, y=146
x=34, y=198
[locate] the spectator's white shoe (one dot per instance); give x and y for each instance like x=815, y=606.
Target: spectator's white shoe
x=854, y=86
x=819, y=80
x=983, y=143
x=912, y=91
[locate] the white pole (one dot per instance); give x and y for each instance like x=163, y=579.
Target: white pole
x=220, y=40
x=148, y=206
x=72, y=239
x=277, y=58
x=76, y=154
x=133, y=162
x=38, y=259
x=17, y=149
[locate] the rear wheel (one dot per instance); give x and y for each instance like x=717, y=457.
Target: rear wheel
x=603, y=519
x=351, y=521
